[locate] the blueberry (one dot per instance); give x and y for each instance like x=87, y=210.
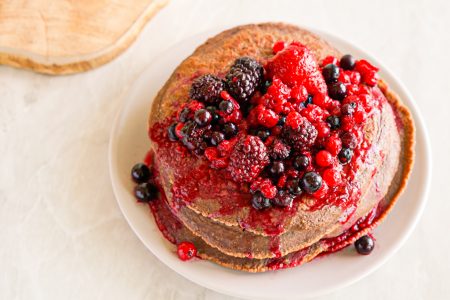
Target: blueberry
x=184, y=115
x=277, y=168
x=283, y=198
x=145, y=192
x=259, y=201
x=265, y=86
x=311, y=182
x=293, y=186
x=230, y=130
x=309, y=100
x=140, y=173
x=171, y=132
x=334, y=122
x=347, y=62
x=202, y=117
x=281, y=120
x=226, y=106
x=301, y=162
x=214, y=115
x=364, y=245
x=348, y=109
x=216, y=138
x=345, y=155
x=330, y=73
x=337, y=91
x=263, y=134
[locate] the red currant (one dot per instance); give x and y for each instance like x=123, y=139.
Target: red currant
x=186, y=251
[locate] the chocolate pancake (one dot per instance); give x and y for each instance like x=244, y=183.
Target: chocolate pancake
x=214, y=212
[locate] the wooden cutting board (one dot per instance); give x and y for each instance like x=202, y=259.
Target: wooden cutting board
x=69, y=36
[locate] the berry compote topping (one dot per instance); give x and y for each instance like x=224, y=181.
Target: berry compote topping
x=269, y=135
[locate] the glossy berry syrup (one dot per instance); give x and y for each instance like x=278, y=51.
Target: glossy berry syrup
x=269, y=138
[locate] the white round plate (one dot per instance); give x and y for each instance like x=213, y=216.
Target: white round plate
x=128, y=145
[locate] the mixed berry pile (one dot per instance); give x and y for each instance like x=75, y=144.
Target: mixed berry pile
x=284, y=127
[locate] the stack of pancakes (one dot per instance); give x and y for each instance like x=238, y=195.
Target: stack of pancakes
x=218, y=219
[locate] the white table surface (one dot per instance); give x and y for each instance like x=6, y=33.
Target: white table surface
x=62, y=234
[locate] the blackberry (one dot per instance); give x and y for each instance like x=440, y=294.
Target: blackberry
x=248, y=159
x=283, y=198
x=207, y=89
x=193, y=137
x=279, y=150
x=244, y=78
x=259, y=201
x=302, y=137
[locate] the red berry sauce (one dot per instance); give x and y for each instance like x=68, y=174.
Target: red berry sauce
x=294, y=104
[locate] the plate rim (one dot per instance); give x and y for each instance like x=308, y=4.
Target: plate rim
x=326, y=35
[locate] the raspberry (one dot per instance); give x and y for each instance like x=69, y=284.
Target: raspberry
x=299, y=93
x=206, y=88
x=368, y=72
x=321, y=100
x=296, y=65
x=279, y=150
x=268, y=118
x=333, y=145
x=193, y=137
x=244, y=78
x=301, y=136
x=277, y=95
x=248, y=159
x=278, y=46
x=347, y=123
x=314, y=113
x=265, y=186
